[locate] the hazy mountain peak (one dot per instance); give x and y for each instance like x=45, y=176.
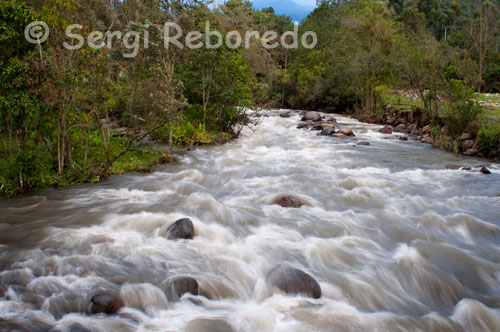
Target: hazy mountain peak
x=297, y=10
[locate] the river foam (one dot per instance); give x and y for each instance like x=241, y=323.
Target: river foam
x=396, y=242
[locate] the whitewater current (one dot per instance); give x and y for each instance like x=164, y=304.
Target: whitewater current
x=396, y=241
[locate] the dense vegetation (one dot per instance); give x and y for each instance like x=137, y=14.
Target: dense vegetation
x=76, y=116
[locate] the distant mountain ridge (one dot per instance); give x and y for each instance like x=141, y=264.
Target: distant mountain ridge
x=285, y=7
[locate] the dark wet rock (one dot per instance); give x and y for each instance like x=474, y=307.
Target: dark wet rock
x=312, y=116
x=288, y=202
x=293, y=281
x=332, y=120
x=364, y=143
x=328, y=131
x=386, y=130
x=471, y=152
x=346, y=131
x=403, y=138
x=191, y=147
x=208, y=325
x=339, y=135
x=105, y=303
x=286, y=114
x=466, y=145
x=181, y=229
x=485, y=170
x=178, y=286
x=465, y=137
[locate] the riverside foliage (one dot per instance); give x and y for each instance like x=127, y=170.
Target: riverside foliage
x=73, y=116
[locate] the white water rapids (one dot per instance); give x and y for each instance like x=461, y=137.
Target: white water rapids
x=396, y=242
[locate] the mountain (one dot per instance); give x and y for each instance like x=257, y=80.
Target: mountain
x=286, y=7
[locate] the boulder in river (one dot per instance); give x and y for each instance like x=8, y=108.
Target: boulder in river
x=386, y=130
x=288, y=202
x=178, y=286
x=303, y=125
x=105, y=303
x=312, y=116
x=181, y=229
x=346, y=131
x=403, y=138
x=485, y=170
x=364, y=143
x=286, y=114
x=208, y=325
x=293, y=281
x=328, y=131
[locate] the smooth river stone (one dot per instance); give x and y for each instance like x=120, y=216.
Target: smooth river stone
x=293, y=281
x=181, y=229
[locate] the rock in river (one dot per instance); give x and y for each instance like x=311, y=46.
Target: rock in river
x=313, y=116
x=484, y=170
x=386, y=130
x=178, y=286
x=346, y=131
x=328, y=131
x=105, y=303
x=288, y=202
x=181, y=229
x=293, y=281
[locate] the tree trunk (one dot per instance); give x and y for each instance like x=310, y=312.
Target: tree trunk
x=86, y=147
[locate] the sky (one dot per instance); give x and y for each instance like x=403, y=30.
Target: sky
x=306, y=3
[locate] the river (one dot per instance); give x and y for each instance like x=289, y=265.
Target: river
x=396, y=242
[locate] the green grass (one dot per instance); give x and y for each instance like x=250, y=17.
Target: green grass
x=489, y=111
x=138, y=161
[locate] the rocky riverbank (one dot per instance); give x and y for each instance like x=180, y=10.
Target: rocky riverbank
x=402, y=123
x=467, y=144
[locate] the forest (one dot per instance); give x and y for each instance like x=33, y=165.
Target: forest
x=78, y=116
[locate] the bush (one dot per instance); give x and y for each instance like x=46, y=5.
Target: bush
x=489, y=140
x=462, y=110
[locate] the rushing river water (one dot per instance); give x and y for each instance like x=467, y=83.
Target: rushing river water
x=396, y=242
